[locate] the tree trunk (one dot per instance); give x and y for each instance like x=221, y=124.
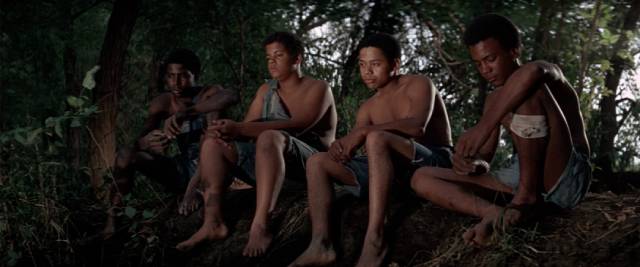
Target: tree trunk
x=73, y=88
x=608, y=123
x=541, y=34
x=156, y=83
x=112, y=56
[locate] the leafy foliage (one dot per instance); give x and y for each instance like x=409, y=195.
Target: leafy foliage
x=41, y=102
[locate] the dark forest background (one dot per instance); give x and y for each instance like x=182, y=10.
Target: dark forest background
x=59, y=131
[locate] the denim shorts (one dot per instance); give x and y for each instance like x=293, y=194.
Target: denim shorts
x=296, y=154
x=437, y=156
x=571, y=187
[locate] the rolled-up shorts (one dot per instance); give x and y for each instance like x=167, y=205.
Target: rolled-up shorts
x=571, y=187
x=296, y=154
x=437, y=156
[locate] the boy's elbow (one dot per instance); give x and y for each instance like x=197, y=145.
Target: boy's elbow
x=231, y=98
x=418, y=131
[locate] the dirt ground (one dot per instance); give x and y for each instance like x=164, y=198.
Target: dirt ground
x=604, y=230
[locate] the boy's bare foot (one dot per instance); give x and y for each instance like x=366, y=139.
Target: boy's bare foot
x=215, y=232
x=373, y=252
x=259, y=240
x=190, y=201
x=480, y=234
x=319, y=253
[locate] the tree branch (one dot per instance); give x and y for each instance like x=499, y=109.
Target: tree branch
x=74, y=16
x=626, y=113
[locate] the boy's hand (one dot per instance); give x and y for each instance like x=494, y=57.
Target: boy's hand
x=155, y=141
x=173, y=125
x=470, y=141
x=335, y=150
x=461, y=164
x=224, y=129
x=479, y=167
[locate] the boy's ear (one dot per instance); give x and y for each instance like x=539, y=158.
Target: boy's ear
x=298, y=59
x=396, y=66
x=515, y=52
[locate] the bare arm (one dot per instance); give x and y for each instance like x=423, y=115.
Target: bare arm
x=214, y=98
x=158, y=111
x=255, y=109
x=519, y=85
x=342, y=149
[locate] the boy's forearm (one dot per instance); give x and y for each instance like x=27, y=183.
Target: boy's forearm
x=512, y=94
x=219, y=101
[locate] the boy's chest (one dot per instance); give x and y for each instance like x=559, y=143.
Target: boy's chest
x=389, y=109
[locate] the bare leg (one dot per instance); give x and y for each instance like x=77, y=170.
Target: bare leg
x=320, y=170
x=214, y=163
x=536, y=173
x=380, y=145
x=443, y=187
x=270, y=170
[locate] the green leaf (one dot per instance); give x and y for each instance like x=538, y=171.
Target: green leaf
x=13, y=257
x=75, y=102
x=146, y=214
x=49, y=122
x=625, y=54
x=75, y=122
x=89, y=81
x=58, y=128
x=33, y=135
x=130, y=211
x=20, y=139
x=605, y=65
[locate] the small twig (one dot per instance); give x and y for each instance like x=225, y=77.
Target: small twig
x=603, y=235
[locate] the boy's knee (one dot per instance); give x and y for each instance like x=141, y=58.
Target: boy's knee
x=421, y=180
x=317, y=160
x=271, y=139
x=208, y=141
x=376, y=140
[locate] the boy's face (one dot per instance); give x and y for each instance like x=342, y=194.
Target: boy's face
x=494, y=63
x=178, y=78
x=375, y=69
x=279, y=61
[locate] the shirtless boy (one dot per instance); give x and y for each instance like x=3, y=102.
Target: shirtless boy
x=185, y=109
x=403, y=126
x=541, y=111
x=291, y=117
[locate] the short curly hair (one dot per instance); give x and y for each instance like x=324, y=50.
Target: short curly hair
x=290, y=42
x=385, y=42
x=182, y=56
x=492, y=26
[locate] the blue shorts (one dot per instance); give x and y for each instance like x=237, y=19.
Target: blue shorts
x=437, y=156
x=571, y=187
x=296, y=154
